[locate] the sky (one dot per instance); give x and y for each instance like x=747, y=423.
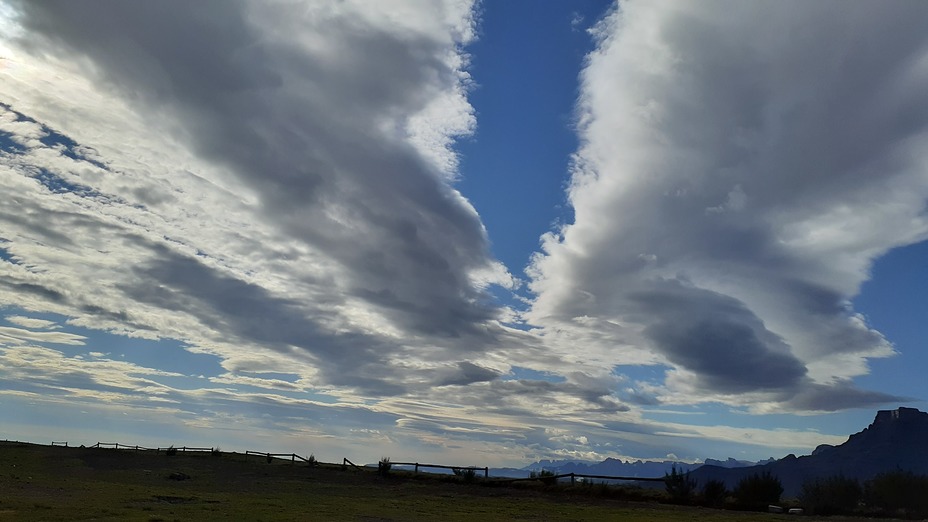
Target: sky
x=482, y=233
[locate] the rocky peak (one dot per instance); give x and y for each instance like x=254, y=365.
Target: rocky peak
x=899, y=415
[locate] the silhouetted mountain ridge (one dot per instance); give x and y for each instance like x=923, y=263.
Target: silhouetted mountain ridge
x=897, y=439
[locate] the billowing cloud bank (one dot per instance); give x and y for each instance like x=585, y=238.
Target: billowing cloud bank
x=742, y=165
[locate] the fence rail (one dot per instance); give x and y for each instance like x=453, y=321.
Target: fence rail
x=116, y=445
x=283, y=456
x=60, y=443
x=574, y=476
x=346, y=462
x=417, y=465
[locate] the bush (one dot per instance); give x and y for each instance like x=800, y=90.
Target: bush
x=758, y=491
x=545, y=476
x=383, y=467
x=836, y=495
x=466, y=474
x=898, y=493
x=714, y=493
x=312, y=460
x=217, y=452
x=171, y=451
x=679, y=486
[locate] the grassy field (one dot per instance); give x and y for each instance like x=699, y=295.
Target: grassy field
x=56, y=483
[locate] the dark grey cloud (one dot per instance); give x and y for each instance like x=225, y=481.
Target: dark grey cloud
x=718, y=338
x=465, y=373
x=840, y=395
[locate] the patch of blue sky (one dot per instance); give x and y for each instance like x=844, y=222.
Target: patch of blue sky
x=280, y=376
x=517, y=163
x=58, y=185
x=527, y=374
x=7, y=144
x=717, y=414
x=647, y=373
x=893, y=301
x=166, y=354
x=51, y=138
x=5, y=254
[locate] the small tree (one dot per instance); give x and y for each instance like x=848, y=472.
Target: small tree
x=312, y=460
x=831, y=496
x=383, y=467
x=679, y=486
x=758, y=491
x=714, y=493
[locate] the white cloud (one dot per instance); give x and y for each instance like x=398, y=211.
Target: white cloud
x=31, y=322
x=741, y=167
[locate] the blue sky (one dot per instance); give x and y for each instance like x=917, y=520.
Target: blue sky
x=474, y=233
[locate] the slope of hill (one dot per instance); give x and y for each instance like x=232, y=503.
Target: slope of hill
x=897, y=439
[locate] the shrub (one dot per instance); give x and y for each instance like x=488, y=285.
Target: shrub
x=546, y=476
x=898, y=492
x=311, y=460
x=171, y=451
x=831, y=496
x=383, y=467
x=758, y=491
x=679, y=486
x=217, y=452
x=465, y=474
x=714, y=493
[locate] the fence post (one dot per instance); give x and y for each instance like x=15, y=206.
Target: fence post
x=293, y=457
x=486, y=472
x=572, y=477
x=416, y=472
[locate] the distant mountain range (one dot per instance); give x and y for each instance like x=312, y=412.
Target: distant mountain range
x=897, y=439
x=617, y=467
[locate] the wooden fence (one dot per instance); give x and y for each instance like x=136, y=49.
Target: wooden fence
x=574, y=476
x=416, y=465
x=292, y=457
x=116, y=445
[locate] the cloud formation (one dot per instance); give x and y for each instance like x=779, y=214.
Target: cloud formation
x=308, y=204
x=267, y=188
x=741, y=167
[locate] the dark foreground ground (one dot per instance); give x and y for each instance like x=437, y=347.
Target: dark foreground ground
x=56, y=483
